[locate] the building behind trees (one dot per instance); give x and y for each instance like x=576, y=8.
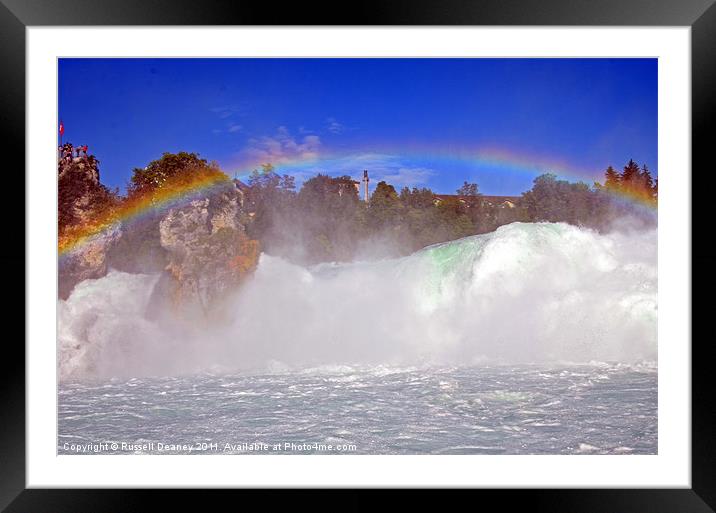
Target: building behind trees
x=327, y=219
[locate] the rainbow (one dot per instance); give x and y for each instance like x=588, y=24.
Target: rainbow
x=444, y=157
x=633, y=199
x=349, y=163
x=133, y=209
x=480, y=160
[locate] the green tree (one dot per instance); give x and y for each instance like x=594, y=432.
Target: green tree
x=454, y=219
x=168, y=169
x=611, y=179
x=417, y=198
x=474, y=208
x=384, y=208
x=544, y=201
x=630, y=177
x=270, y=197
x=468, y=189
x=556, y=200
x=646, y=185
x=330, y=217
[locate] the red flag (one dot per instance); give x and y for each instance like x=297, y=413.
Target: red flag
x=62, y=128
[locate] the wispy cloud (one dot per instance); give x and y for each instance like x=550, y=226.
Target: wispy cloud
x=227, y=111
x=376, y=162
x=305, y=156
x=282, y=147
x=391, y=168
x=231, y=128
x=333, y=126
x=407, y=176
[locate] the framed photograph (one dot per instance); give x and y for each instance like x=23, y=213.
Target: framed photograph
x=449, y=247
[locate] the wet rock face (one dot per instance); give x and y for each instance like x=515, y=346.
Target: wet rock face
x=81, y=198
x=86, y=262
x=200, y=247
x=80, y=191
x=208, y=252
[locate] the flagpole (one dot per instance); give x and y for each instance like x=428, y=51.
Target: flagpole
x=62, y=131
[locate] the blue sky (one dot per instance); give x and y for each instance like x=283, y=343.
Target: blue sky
x=415, y=122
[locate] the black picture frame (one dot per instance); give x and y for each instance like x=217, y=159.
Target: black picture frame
x=16, y=15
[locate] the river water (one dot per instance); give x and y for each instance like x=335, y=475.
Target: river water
x=457, y=348
x=559, y=409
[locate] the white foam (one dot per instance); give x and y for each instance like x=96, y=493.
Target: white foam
x=524, y=293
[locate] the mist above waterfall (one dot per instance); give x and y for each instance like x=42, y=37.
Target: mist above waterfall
x=526, y=293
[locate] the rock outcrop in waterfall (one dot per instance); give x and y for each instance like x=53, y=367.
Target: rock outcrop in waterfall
x=82, y=200
x=189, y=232
x=207, y=250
